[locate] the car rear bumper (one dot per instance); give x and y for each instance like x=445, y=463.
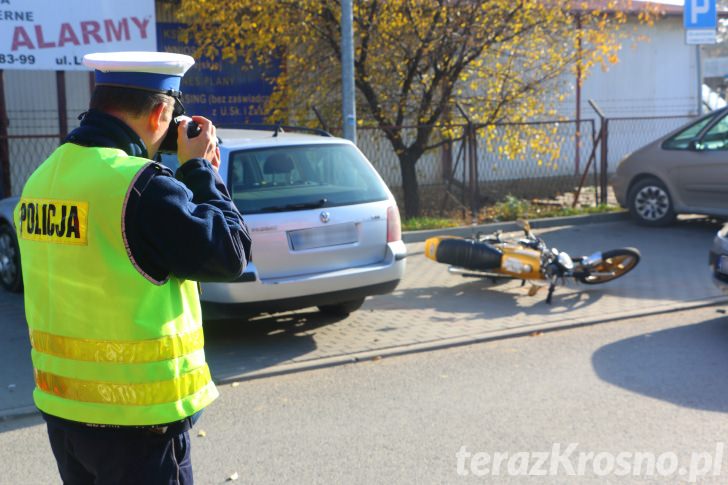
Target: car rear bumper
x=721, y=282
x=718, y=249
x=212, y=310
x=252, y=295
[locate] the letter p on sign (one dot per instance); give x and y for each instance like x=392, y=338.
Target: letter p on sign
x=698, y=8
x=700, y=14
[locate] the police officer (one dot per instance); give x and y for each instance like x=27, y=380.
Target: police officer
x=112, y=247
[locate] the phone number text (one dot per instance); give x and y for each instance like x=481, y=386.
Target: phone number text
x=16, y=59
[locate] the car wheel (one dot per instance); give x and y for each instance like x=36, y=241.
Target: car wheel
x=650, y=203
x=341, y=309
x=11, y=277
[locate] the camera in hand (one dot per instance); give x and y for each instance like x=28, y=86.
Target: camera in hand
x=169, y=144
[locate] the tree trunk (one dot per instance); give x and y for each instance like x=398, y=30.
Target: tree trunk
x=409, y=185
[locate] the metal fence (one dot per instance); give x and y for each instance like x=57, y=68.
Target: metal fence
x=469, y=168
x=26, y=153
x=455, y=175
x=475, y=168
x=32, y=135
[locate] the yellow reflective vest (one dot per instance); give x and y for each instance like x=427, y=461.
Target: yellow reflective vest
x=109, y=344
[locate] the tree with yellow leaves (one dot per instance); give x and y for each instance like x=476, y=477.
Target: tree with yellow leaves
x=500, y=60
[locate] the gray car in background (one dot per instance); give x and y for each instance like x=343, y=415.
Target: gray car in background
x=325, y=227
x=10, y=276
x=685, y=171
x=718, y=259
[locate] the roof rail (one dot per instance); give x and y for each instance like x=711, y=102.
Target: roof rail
x=275, y=129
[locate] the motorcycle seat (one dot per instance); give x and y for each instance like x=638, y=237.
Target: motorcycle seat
x=469, y=254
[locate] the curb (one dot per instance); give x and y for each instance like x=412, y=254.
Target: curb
x=511, y=226
x=18, y=413
x=516, y=332
x=375, y=355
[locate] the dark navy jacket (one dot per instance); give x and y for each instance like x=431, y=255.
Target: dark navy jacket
x=185, y=226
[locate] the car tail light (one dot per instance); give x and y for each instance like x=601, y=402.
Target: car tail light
x=394, y=226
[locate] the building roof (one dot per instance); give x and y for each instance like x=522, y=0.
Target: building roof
x=635, y=7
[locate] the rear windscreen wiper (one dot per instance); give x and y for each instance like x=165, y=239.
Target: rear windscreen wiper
x=294, y=207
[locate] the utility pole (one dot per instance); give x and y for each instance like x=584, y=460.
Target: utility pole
x=699, y=65
x=347, y=70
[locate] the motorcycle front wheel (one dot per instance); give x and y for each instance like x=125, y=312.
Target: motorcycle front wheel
x=615, y=263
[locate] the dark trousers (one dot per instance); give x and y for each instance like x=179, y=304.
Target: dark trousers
x=120, y=456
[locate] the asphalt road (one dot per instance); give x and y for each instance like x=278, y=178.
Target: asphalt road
x=430, y=309
x=651, y=387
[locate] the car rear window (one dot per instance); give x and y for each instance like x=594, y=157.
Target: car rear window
x=302, y=177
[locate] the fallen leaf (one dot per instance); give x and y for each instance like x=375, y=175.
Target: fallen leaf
x=202, y=433
x=235, y=384
x=377, y=358
x=536, y=334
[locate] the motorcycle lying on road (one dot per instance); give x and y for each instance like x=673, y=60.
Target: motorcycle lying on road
x=527, y=259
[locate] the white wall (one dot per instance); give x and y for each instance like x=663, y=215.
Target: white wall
x=654, y=78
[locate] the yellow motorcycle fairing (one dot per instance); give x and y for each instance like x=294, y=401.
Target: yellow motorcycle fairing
x=520, y=262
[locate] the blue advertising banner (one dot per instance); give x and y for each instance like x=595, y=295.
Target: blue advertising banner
x=227, y=93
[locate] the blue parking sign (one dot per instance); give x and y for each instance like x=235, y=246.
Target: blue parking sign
x=700, y=14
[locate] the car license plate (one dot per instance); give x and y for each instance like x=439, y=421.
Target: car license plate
x=321, y=237
x=722, y=264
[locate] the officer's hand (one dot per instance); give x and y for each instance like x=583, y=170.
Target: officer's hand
x=216, y=159
x=203, y=145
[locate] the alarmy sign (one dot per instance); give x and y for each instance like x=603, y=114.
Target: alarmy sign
x=55, y=35
x=700, y=21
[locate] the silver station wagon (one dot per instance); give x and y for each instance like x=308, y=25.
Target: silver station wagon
x=325, y=227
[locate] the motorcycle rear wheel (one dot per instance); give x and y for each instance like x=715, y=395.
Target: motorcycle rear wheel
x=617, y=262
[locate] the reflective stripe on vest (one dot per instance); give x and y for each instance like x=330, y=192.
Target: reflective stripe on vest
x=109, y=345
x=164, y=348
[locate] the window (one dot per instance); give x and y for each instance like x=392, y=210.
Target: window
x=716, y=138
x=682, y=140
x=301, y=177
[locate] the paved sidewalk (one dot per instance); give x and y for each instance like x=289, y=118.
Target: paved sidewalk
x=432, y=308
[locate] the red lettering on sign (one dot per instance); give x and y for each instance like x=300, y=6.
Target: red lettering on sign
x=114, y=33
x=141, y=25
x=21, y=39
x=91, y=32
x=90, y=28
x=67, y=35
x=42, y=44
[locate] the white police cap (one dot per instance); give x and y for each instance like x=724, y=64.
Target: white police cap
x=154, y=71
